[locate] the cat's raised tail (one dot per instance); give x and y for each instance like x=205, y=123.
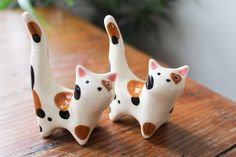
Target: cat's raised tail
x=117, y=57
x=41, y=75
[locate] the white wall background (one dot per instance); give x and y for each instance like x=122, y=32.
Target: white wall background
x=202, y=35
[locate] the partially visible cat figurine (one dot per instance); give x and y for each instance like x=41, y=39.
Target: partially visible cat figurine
x=150, y=101
x=58, y=107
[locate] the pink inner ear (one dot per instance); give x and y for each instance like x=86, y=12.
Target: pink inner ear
x=183, y=71
x=81, y=72
x=112, y=77
x=153, y=65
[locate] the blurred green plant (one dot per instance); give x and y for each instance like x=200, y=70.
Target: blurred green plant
x=28, y=5
x=13, y=3
x=134, y=16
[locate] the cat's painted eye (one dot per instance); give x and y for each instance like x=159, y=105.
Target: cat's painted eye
x=167, y=80
x=77, y=92
x=87, y=81
x=158, y=73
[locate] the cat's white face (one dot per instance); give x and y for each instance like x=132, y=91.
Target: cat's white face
x=92, y=90
x=166, y=81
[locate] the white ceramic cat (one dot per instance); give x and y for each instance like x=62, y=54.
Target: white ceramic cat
x=59, y=107
x=150, y=101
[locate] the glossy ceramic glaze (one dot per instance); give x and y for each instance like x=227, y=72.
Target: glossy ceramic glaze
x=56, y=106
x=150, y=101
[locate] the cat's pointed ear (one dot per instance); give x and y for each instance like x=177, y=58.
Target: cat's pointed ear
x=153, y=65
x=184, y=70
x=80, y=71
x=111, y=76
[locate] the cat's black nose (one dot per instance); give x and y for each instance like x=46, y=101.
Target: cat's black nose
x=99, y=88
x=167, y=80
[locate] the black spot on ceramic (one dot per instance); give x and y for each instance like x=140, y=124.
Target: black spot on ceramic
x=87, y=81
x=64, y=114
x=36, y=38
x=32, y=77
x=77, y=92
x=135, y=100
x=115, y=97
x=40, y=129
x=158, y=73
x=49, y=119
x=99, y=89
x=118, y=101
x=168, y=80
x=114, y=40
x=149, y=82
x=40, y=113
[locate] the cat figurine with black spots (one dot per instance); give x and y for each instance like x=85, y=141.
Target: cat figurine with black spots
x=56, y=106
x=150, y=101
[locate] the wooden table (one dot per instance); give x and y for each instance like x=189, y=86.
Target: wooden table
x=202, y=124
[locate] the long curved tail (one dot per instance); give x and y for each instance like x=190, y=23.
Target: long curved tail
x=41, y=76
x=117, y=57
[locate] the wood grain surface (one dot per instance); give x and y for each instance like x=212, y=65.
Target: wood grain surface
x=203, y=123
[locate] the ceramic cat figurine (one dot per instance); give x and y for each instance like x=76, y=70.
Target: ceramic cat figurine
x=150, y=101
x=58, y=107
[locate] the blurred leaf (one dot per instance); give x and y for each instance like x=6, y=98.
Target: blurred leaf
x=69, y=2
x=26, y=6
x=134, y=17
x=5, y=3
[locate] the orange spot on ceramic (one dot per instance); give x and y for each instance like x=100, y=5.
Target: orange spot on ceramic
x=148, y=128
x=82, y=131
x=112, y=30
x=34, y=28
x=62, y=100
x=135, y=87
x=107, y=85
x=37, y=103
x=175, y=77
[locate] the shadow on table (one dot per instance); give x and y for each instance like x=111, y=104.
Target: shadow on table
x=115, y=138
x=169, y=138
x=180, y=140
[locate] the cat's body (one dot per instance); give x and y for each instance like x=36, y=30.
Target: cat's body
x=150, y=101
x=59, y=107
